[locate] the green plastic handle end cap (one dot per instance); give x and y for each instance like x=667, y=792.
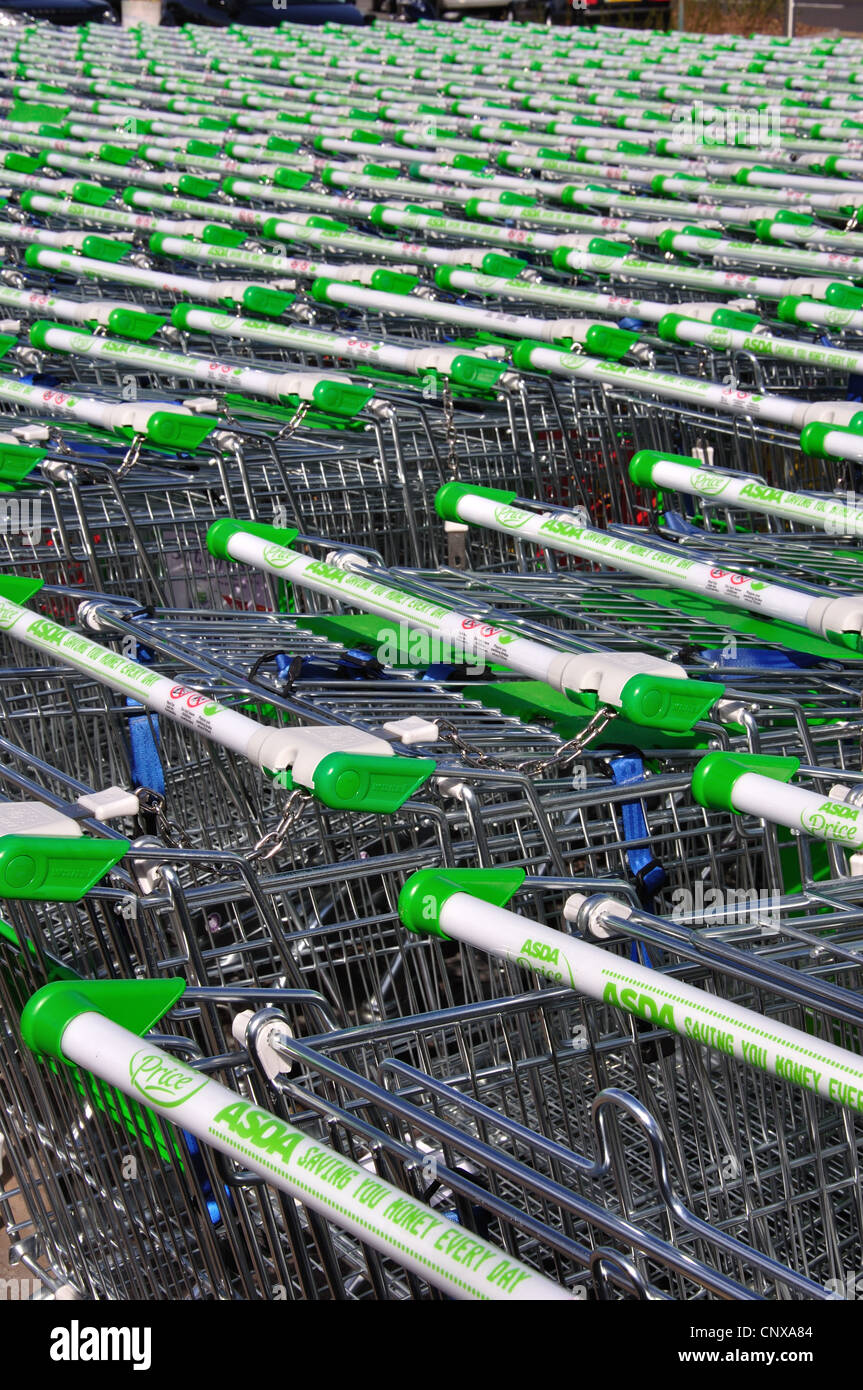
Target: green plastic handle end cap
x=351, y=781
x=17, y=462
x=604, y=340
x=133, y=1004
x=101, y=248
x=840, y=296
x=715, y=776
x=642, y=464
x=667, y=703
x=259, y=299
x=221, y=532
x=472, y=370
x=394, y=281
x=135, y=324
x=448, y=497
x=172, y=430
x=522, y=354
x=424, y=894
x=341, y=398
x=786, y=309
x=51, y=868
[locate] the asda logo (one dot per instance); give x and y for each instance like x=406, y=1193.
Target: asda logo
x=833, y=819
x=539, y=951
x=48, y=632
x=635, y=1001
x=760, y=492
x=163, y=1081
x=260, y=1130
x=545, y=960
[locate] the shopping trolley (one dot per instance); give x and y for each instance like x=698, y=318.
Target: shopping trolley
x=470, y=1078
x=533, y=1095
x=186, y=1225
x=419, y=446
x=460, y=1130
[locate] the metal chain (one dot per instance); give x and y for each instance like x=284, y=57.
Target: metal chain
x=449, y=427
x=152, y=803
x=295, y=421
x=475, y=757
x=131, y=457
x=272, y=843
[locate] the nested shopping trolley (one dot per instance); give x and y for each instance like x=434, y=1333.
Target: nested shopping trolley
x=538, y=776
x=372, y=478
x=129, y=1199
x=515, y=1130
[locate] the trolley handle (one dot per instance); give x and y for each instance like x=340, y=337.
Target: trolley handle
x=465, y=369
x=414, y=217
x=795, y=228
x=174, y=427
x=343, y=767
x=162, y=244
x=784, y=410
x=840, y=306
x=380, y=179
x=829, y=441
x=100, y=264
x=331, y=392
x=468, y=905
x=748, y=784
x=616, y=258
x=830, y=617
x=121, y=317
x=320, y=231
x=680, y=472
x=706, y=243
x=89, y=206
x=99, y=1025
x=191, y=206
x=91, y=210
x=114, y=173
x=649, y=692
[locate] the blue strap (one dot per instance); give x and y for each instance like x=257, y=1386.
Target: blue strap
x=647, y=872
x=197, y=1161
x=855, y=387
x=354, y=663
x=144, y=761
x=440, y=672
x=679, y=526
x=764, y=658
